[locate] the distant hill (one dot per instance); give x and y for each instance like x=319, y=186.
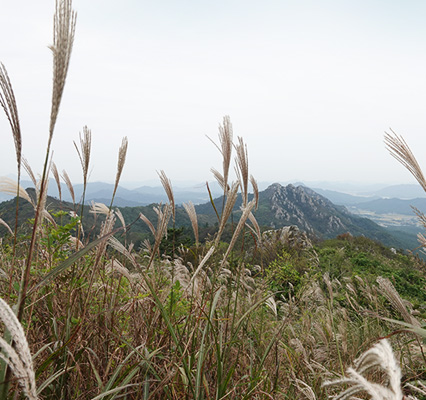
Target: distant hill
x=143, y=195
x=396, y=206
x=315, y=214
x=344, y=199
x=408, y=191
x=279, y=206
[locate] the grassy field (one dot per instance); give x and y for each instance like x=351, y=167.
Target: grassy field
x=260, y=315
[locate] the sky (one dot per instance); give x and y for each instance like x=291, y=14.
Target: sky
x=311, y=86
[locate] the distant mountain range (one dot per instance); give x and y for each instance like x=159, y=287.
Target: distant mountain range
x=279, y=206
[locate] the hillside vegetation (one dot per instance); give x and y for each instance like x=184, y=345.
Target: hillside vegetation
x=235, y=312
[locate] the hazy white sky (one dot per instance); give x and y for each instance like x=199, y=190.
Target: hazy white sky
x=310, y=85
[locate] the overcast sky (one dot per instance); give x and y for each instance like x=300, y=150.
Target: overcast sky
x=311, y=86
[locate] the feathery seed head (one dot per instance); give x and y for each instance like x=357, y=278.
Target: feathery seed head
x=400, y=150
x=84, y=151
x=167, y=185
x=63, y=39
x=8, y=103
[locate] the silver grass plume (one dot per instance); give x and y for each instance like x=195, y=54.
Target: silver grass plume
x=202, y=263
x=167, y=185
x=9, y=186
x=100, y=208
x=380, y=356
x=30, y=172
x=389, y=291
x=106, y=227
x=57, y=180
x=18, y=357
x=400, y=150
x=246, y=210
x=255, y=228
x=8, y=103
x=122, y=152
x=163, y=217
x=70, y=187
x=119, y=215
x=148, y=222
x=227, y=211
x=5, y=224
x=220, y=180
x=255, y=191
x=63, y=39
x=117, y=245
x=84, y=152
x=41, y=190
x=192, y=214
x=241, y=168
x=225, y=140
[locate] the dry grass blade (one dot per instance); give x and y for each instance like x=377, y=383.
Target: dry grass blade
x=167, y=185
x=192, y=214
x=70, y=187
x=8, y=102
x=84, y=151
x=400, y=150
x=58, y=181
x=18, y=357
x=122, y=152
x=63, y=39
x=242, y=168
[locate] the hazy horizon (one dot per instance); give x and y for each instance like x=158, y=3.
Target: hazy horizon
x=310, y=86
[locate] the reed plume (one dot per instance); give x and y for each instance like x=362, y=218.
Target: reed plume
x=380, y=356
x=246, y=211
x=122, y=152
x=389, y=291
x=148, y=222
x=227, y=210
x=241, y=168
x=400, y=150
x=17, y=357
x=30, y=172
x=8, y=103
x=167, y=185
x=192, y=214
x=225, y=140
x=70, y=187
x=58, y=181
x=6, y=225
x=255, y=191
x=9, y=186
x=84, y=152
x=63, y=39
